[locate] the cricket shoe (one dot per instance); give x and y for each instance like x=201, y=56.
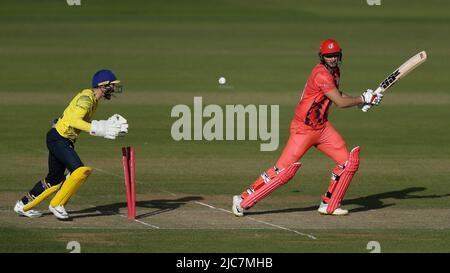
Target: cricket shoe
x=338, y=212
x=18, y=208
x=59, y=211
x=236, y=208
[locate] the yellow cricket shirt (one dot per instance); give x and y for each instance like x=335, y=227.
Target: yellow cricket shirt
x=77, y=116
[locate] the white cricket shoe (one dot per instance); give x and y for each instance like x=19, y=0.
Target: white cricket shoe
x=338, y=211
x=59, y=211
x=18, y=208
x=236, y=208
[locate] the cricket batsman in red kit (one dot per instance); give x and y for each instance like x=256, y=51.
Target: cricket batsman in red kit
x=310, y=128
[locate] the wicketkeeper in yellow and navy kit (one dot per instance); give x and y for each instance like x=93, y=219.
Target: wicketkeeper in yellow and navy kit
x=60, y=143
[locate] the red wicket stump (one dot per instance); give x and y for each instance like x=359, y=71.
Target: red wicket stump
x=129, y=167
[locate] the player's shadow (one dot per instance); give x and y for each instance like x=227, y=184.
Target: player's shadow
x=375, y=201
x=157, y=206
x=365, y=203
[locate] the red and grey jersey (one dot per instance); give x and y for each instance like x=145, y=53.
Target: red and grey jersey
x=313, y=107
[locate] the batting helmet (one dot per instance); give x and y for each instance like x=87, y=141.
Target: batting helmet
x=330, y=48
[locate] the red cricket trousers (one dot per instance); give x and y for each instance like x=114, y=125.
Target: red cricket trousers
x=327, y=140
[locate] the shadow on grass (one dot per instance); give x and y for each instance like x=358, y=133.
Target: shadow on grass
x=374, y=201
x=370, y=202
x=159, y=206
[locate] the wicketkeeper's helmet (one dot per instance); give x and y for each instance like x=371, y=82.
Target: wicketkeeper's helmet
x=106, y=78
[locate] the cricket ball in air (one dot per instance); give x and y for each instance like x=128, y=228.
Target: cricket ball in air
x=222, y=80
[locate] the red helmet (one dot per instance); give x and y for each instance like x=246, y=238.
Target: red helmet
x=329, y=47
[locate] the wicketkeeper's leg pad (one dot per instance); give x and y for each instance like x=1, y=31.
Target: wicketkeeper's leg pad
x=340, y=180
x=46, y=189
x=282, y=177
x=71, y=185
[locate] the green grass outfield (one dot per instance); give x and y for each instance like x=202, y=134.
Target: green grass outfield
x=167, y=52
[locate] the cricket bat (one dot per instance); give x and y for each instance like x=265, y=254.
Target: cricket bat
x=399, y=73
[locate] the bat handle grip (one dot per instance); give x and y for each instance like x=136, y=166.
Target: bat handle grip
x=366, y=107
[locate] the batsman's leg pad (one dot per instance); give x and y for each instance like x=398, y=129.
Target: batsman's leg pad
x=70, y=186
x=280, y=179
x=335, y=176
x=341, y=181
x=35, y=200
x=264, y=178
